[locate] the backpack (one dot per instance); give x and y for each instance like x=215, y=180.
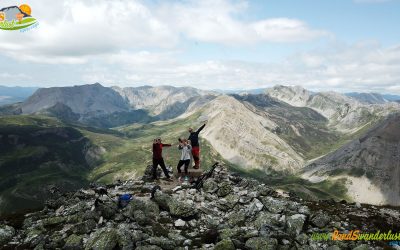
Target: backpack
x=124, y=199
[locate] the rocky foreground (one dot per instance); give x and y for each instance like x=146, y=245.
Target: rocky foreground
x=228, y=212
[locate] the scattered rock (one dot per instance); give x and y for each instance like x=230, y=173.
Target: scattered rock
x=320, y=219
x=210, y=186
x=224, y=189
x=162, y=242
x=225, y=244
x=261, y=243
x=180, y=223
x=105, y=239
x=74, y=242
x=6, y=234
x=229, y=212
x=295, y=223
x=181, y=209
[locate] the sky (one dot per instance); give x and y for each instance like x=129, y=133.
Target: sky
x=340, y=45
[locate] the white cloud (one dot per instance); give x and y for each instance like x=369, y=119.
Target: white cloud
x=358, y=67
x=85, y=28
x=286, y=30
x=132, y=43
x=71, y=31
x=214, y=21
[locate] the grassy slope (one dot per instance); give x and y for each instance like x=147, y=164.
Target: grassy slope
x=292, y=183
x=35, y=161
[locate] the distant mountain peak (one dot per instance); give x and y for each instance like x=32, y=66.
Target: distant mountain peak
x=81, y=99
x=293, y=95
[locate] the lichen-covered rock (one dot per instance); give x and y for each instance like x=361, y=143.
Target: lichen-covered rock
x=73, y=242
x=265, y=218
x=210, y=186
x=237, y=218
x=53, y=221
x=261, y=243
x=320, y=219
x=274, y=205
x=224, y=189
x=302, y=239
x=84, y=227
x=141, y=218
x=6, y=234
x=148, y=247
x=266, y=191
x=109, y=238
x=181, y=209
x=225, y=244
x=162, y=200
x=295, y=223
x=126, y=238
x=107, y=210
x=229, y=233
x=177, y=238
x=162, y=242
x=254, y=207
x=149, y=208
x=103, y=239
x=34, y=236
x=228, y=203
x=56, y=240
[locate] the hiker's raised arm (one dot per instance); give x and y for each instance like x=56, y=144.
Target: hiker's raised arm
x=166, y=145
x=201, y=128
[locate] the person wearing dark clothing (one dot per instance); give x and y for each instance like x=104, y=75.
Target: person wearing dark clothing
x=158, y=159
x=194, y=139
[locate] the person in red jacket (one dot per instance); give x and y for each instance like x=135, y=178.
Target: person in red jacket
x=194, y=138
x=158, y=159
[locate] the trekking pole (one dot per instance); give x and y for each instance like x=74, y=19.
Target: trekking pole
x=199, y=183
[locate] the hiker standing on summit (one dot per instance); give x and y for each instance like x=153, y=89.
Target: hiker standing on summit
x=185, y=147
x=194, y=138
x=158, y=159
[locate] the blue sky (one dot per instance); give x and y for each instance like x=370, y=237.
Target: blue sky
x=342, y=45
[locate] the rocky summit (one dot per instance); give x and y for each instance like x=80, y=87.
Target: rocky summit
x=226, y=212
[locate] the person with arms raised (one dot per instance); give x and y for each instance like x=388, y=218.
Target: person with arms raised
x=185, y=147
x=194, y=138
x=158, y=158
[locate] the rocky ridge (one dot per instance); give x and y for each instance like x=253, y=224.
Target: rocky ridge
x=372, y=160
x=345, y=114
x=159, y=100
x=228, y=212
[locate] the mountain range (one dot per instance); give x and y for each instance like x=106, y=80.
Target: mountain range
x=283, y=134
